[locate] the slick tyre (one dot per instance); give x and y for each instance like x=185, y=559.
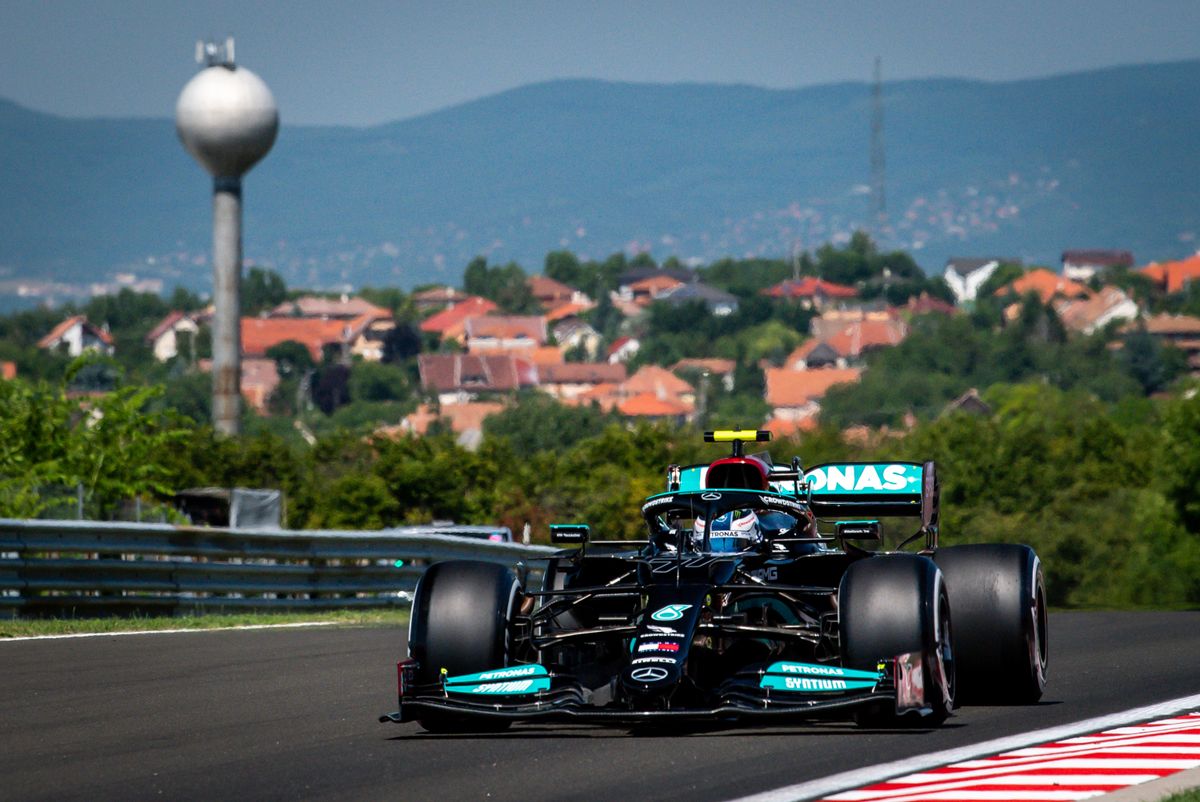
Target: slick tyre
x=893, y=604
x=460, y=622
x=998, y=596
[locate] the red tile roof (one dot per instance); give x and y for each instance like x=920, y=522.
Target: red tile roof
x=461, y=417
x=656, y=380
x=1173, y=324
x=650, y=405
x=809, y=287
x=795, y=388
x=1173, y=276
x=506, y=327
x=548, y=290
x=8, y=370
x=566, y=310
x=783, y=427
x=261, y=333
x=164, y=326
x=449, y=322
x=1046, y=284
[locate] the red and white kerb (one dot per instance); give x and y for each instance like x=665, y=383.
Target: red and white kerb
x=1075, y=768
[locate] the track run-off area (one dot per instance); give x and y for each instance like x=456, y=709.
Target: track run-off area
x=291, y=713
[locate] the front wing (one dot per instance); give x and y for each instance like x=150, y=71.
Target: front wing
x=793, y=691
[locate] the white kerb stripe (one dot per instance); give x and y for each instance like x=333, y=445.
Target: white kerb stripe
x=985, y=796
x=873, y=774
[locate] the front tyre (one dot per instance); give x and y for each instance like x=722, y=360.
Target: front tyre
x=999, y=598
x=460, y=623
x=892, y=604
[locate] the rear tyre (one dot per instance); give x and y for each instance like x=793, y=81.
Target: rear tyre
x=892, y=604
x=999, y=607
x=460, y=623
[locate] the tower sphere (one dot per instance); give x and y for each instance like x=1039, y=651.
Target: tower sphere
x=227, y=119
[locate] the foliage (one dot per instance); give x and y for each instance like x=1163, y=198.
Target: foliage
x=262, y=289
x=536, y=422
x=504, y=284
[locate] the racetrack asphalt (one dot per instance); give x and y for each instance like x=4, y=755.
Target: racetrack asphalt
x=291, y=714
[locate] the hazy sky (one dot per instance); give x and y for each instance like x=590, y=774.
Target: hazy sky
x=360, y=62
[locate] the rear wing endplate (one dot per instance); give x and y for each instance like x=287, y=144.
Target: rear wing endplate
x=852, y=489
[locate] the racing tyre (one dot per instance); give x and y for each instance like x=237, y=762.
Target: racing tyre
x=460, y=616
x=999, y=603
x=893, y=604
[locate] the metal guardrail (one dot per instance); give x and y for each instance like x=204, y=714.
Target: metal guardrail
x=96, y=567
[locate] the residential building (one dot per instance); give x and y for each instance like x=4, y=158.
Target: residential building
x=1172, y=277
x=1084, y=265
x=259, y=380
x=574, y=333
x=971, y=403
x=1179, y=331
x=343, y=308
x=167, y=335
x=796, y=394
x=925, y=304
x=458, y=378
x=1046, y=284
x=718, y=302
x=965, y=276
x=324, y=339
x=465, y=420
x=622, y=349
x=435, y=298
x=648, y=290
x=75, y=335
x=811, y=292
x=838, y=342
x=504, y=332
x=450, y=323
x=570, y=380
x=1094, y=312
x=8, y=370
x=551, y=293
x=721, y=369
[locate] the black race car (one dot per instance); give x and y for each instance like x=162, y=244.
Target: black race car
x=752, y=596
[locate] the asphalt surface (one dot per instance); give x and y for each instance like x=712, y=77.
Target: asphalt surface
x=287, y=714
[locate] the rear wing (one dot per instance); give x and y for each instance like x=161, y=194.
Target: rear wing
x=853, y=489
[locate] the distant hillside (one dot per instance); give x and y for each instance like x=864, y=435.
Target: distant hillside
x=1099, y=159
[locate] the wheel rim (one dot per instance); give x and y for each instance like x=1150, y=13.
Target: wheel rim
x=945, y=647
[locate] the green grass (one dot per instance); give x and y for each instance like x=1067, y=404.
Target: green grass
x=1185, y=796
x=25, y=627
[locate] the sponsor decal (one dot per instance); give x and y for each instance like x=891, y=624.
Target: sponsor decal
x=870, y=478
x=658, y=647
x=664, y=565
x=510, y=687
x=639, y=660
x=813, y=670
x=530, y=678
x=505, y=673
x=672, y=612
x=814, y=684
x=658, y=502
x=710, y=496
x=776, y=501
x=765, y=574
x=649, y=674
x=664, y=632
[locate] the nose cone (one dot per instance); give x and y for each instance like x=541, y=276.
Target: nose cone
x=227, y=119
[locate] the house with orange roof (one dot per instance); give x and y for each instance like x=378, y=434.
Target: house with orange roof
x=8, y=370
x=1046, y=284
x=1084, y=265
x=925, y=304
x=838, y=343
x=504, y=332
x=167, y=335
x=782, y=428
x=343, y=308
x=1092, y=313
x=810, y=291
x=660, y=382
x=797, y=394
x=75, y=335
x=551, y=293
x=654, y=407
x=450, y=323
x=1171, y=277
x=464, y=419
x=645, y=291
x=323, y=338
x=259, y=380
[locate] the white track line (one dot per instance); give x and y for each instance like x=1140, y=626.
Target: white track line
x=171, y=631
x=873, y=774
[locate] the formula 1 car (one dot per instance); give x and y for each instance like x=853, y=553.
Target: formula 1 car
x=753, y=596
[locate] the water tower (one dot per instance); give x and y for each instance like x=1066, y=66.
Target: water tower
x=227, y=119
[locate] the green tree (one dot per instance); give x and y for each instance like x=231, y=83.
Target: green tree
x=262, y=289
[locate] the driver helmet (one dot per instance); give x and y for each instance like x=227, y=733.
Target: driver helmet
x=736, y=530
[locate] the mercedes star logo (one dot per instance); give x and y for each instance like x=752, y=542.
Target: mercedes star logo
x=648, y=674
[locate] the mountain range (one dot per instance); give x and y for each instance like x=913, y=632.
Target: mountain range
x=1101, y=159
